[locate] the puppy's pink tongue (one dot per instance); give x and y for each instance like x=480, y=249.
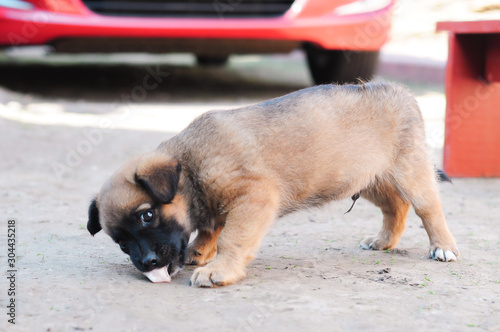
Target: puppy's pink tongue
x=158, y=275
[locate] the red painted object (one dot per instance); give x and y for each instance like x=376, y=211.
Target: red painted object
x=472, y=134
x=210, y=29
x=329, y=24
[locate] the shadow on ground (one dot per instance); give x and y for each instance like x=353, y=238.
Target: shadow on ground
x=145, y=83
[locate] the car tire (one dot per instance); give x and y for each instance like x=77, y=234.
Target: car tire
x=341, y=67
x=212, y=61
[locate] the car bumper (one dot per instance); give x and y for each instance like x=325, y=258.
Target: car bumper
x=302, y=23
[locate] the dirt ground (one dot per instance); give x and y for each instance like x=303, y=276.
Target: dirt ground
x=61, y=138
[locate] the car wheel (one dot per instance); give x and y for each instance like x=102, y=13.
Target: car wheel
x=334, y=66
x=211, y=61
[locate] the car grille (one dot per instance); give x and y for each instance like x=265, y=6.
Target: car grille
x=190, y=8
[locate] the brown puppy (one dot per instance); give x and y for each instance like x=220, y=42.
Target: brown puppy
x=230, y=174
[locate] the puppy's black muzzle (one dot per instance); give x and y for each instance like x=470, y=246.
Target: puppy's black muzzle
x=149, y=261
x=147, y=255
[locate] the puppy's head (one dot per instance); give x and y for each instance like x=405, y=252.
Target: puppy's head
x=143, y=209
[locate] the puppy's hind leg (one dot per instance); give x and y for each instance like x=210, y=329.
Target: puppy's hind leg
x=418, y=184
x=395, y=210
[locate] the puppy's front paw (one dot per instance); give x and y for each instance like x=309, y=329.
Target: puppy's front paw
x=213, y=275
x=444, y=254
x=196, y=256
x=374, y=243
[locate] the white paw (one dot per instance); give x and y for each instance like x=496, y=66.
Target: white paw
x=442, y=255
x=366, y=246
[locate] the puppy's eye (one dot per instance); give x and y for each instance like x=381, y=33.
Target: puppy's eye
x=147, y=217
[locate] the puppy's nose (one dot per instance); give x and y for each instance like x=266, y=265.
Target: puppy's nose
x=149, y=261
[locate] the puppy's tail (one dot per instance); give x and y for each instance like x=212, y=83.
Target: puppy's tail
x=442, y=176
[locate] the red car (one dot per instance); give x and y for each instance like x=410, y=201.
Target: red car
x=211, y=29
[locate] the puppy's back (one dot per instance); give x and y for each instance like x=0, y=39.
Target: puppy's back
x=355, y=124
x=326, y=139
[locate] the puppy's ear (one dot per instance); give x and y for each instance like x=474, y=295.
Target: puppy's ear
x=93, y=225
x=159, y=175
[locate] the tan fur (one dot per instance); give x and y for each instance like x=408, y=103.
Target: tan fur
x=204, y=247
x=177, y=210
x=243, y=168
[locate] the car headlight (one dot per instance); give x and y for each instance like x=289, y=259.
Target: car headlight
x=362, y=6
x=16, y=4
